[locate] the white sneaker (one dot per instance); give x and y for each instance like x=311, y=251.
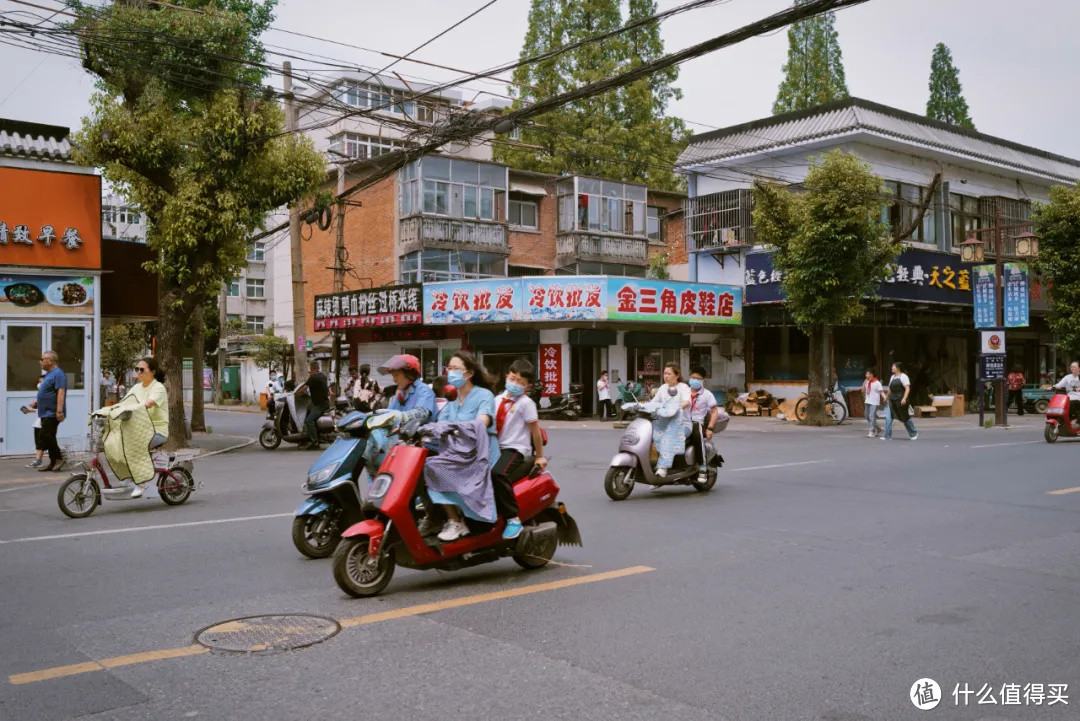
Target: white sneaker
x=139, y=490
x=661, y=473
x=869, y=434
x=453, y=530
x=915, y=437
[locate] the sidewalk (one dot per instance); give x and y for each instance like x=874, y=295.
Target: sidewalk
x=13, y=468
x=234, y=409
x=768, y=424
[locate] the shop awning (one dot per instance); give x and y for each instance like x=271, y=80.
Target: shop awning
x=510, y=339
x=591, y=337
x=519, y=186
x=645, y=339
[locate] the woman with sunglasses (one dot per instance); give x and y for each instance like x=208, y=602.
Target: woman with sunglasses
x=149, y=390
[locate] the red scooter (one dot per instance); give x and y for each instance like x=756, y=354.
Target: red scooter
x=1059, y=422
x=364, y=561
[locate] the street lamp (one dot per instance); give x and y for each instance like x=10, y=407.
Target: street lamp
x=971, y=250
x=1027, y=245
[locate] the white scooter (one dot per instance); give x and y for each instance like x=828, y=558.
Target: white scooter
x=632, y=464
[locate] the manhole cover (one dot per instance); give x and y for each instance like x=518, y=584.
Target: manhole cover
x=267, y=634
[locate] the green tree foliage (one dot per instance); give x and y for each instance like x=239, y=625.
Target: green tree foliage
x=946, y=101
x=180, y=126
x=832, y=248
x=121, y=346
x=270, y=351
x=622, y=134
x=1057, y=224
x=814, y=71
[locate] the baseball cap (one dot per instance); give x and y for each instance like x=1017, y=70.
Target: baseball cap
x=400, y=362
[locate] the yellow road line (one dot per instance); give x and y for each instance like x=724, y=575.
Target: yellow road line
x=1063, y=491
x=493, y=596
x=114, y=662
x=419, y=609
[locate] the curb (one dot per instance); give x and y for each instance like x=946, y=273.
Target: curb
x=247, y=442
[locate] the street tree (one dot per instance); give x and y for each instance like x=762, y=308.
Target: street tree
x=121, y=346
x=946, y=101
x=1057, y=223
x=814, y=71
x=270, y=351
x=832, y=248
x=180, y=124
x=623, y=133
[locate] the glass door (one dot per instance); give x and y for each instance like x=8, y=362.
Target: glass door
x=19, y=375
x=71, y=341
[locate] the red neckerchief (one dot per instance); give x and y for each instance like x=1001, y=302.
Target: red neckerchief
x=504, y=408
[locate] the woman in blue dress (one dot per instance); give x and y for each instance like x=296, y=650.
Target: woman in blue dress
x=670, y=428
x=475, y=401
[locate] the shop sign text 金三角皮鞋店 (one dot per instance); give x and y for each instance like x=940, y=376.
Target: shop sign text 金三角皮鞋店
x=580, y=298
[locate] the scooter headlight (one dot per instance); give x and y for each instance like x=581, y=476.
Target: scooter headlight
x=322, y=475
x=379, y=486
x=630, y=439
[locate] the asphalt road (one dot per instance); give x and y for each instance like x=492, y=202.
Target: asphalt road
x=822, y=577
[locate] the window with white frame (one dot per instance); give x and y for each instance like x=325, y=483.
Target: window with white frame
x=466, y=189
x=434, y=265
x=120, y=215
x=257, y=251
x=653, y=226
x=383, y=99
x=233, y=289
x=255, y=323
x=523, y=213
x=362, y=147
x=595, y=205
x=256, y=288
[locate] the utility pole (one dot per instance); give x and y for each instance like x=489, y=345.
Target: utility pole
x=222, y=345
x=300, y=361
x=339, y=267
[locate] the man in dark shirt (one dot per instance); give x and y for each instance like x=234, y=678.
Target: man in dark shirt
x=318, y=388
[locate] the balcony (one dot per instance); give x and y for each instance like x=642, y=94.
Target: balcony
x=719, y=221
x=573, y=247
x=424, y=231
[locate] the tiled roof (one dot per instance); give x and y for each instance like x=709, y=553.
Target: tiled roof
x=854, y=114
x=29, y=140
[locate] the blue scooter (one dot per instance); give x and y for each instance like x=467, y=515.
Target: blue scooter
x=333, y=484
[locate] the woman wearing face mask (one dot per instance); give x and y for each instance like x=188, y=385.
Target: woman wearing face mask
x=475, y=402
x=670, y=405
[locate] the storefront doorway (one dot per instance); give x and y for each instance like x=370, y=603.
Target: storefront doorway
x=584, y=362
x=23, y=342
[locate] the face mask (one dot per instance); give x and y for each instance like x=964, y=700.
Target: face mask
x=695, y=384
x=456, y=378
x=514, y=389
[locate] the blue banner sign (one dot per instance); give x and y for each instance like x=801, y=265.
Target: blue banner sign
x=985, y=295
x=1017, y=296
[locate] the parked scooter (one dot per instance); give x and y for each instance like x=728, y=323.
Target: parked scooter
x=633, y=463
x=369, y=551
x=288, y=421
x=333, y=484
x=562, y=406
x=1059, y=422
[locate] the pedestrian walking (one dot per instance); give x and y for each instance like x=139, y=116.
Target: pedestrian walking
x=1015, y=382
x=897, y=407
x=603, y=393
x=105, y=384
x=872, y=391
x=39, y=450
x=51, y=406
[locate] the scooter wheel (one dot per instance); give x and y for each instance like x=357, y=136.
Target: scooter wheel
x=619, y=483
x=269, y=439
x=315, y=536
x=710, y=481
x=1051, y=432
x=78, y=496
x=357, y=573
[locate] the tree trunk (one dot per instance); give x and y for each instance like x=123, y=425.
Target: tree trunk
x=198, y=342
x=174, y=311
x=815, y=409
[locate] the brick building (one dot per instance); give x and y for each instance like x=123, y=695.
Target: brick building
x=466, y=227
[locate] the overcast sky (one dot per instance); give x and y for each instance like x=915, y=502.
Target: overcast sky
x=1017, y=61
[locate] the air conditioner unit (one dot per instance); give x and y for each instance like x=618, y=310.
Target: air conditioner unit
x=729, y=346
